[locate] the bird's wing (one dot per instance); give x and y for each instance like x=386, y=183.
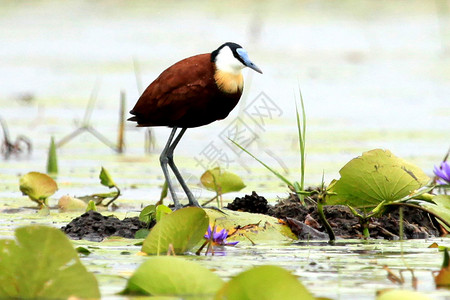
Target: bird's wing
x=179, y=88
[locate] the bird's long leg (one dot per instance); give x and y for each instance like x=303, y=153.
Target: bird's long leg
x=164, y=159
x=192, y=200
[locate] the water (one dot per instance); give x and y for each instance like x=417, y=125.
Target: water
x=372, y=74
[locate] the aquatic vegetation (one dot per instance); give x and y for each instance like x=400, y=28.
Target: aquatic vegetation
x=374, y=177
x=177, y=277
x=179, y=232
x=402, y=294
x=69, y=203
x=264, y=282
x=215, y=238
x=374, y=180
x=154, y=213
x=106, y=180
x=173, y=276
x=256, y=228
x=43, y=264
x=38, y=187
x=443, y=173
x=295, y=186
x=52, y=160
x=221, y=182
x=218, y=237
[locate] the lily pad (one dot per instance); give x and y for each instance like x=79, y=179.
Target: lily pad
x=106, y=179
x=402, y=294
x=180, y=231
x=173, y=276
x=264, y=282
x=38, y=186
x=243, y=226
x=43, y=264
x=162, y=211
x=68, y=203
x=221, y=181
x=374, y=177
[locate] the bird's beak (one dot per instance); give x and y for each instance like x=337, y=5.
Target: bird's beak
x=247, y=62
x=253, y=66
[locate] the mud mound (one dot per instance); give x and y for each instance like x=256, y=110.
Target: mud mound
x=250, y=203
x=303, y=220
x=93, y=226
x=416, y=223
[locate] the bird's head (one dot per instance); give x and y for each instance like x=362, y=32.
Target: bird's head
x=232, y=58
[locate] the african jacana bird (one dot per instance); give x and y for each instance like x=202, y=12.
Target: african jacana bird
x=193, y=92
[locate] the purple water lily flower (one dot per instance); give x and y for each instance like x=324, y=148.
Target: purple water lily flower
x=219, y=238
x=443, y=172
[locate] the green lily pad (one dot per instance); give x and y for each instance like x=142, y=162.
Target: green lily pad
x=402, y=294
x=264, y=282
x=173, y=276
x=106, y=179
x=221, y=181
x=254, y=227
x=374, y=177
x=38, y=186
x=68, y=203
x=180, y=230
x=162, y=211
x=43, y=264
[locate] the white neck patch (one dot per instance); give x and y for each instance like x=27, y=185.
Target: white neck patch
x=226, y=62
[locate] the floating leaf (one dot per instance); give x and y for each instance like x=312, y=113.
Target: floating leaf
x=83, y=250
x=181, y=230
x=43, y=264
x=106, y=179
x=67, y=203
x=376, y=176
x=402, y=294
x=173, y=276
x=38, y=186
x=256, y=227
x=221, y=182
x=141, y=233
x=264, y=282
x=52, y=161
x=162, y=211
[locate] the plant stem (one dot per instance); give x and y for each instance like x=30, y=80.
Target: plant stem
x=113, y=199
x=325, y=223
x=365, y=226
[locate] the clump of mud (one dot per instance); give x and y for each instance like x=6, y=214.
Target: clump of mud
x=301, y=219
x=250, y=203
x=93, y=226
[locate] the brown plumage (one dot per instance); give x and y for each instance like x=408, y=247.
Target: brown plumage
x=193, y=92
x=187, y=95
